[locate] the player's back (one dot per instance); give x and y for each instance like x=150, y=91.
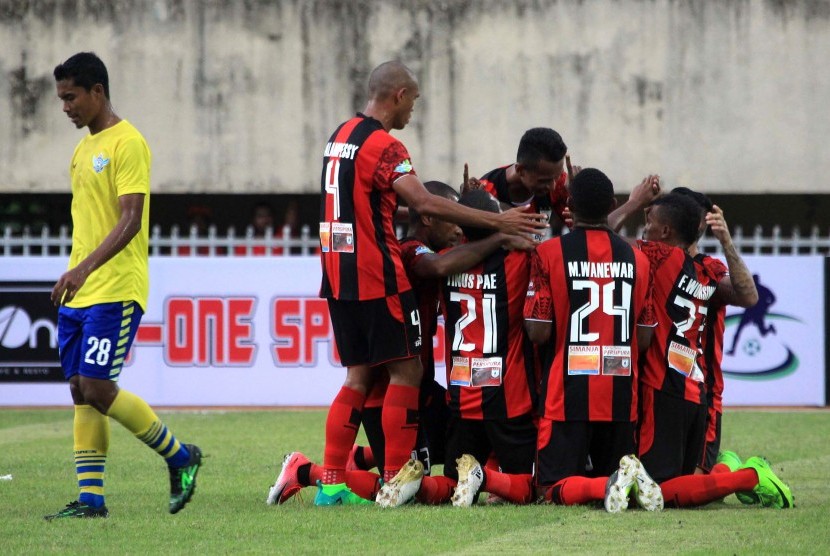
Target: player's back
x=682, y=290
x=489, y=358
x=359, y=249
x=599, y=286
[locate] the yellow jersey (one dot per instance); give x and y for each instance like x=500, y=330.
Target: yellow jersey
x=111, y=163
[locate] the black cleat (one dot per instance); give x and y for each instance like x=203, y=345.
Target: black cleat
x=76, y=509
x=183, y=479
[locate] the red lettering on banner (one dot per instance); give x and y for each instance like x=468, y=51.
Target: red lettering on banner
x=240, y=331
x=179, y=348
x=298, y=326
x=209, y=331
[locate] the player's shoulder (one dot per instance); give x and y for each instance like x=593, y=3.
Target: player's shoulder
x=413, y=248
x=711, y=263
x=657, y=251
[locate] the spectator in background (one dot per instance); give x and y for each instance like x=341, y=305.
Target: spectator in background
x=260, y=228
x=199, y=221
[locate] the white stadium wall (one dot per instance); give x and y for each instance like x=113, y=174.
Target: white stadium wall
x=241, y=96
x=252, y=331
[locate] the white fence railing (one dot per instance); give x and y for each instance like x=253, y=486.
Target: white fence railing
x=282, y=243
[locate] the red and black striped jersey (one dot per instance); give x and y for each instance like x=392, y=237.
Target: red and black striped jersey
x=358, y=247
x=682, y=290
x=594, y=287
x=489, y=358
x=495, y=183
x=426, y=293
x=712, y=340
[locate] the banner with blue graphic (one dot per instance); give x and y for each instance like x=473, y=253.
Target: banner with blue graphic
x=774, y=352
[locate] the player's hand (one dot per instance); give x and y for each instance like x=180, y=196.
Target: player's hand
x=568, y=218
x=572, y=170
x=518, y=221
x=469, y=183
x=67, y=286
x=518, y=243
x=717, y=224
x=646, y=191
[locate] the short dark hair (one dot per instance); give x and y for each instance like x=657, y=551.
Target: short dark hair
x=682, y=213
x=540, y=143
x=592, y=194
x=85, y=69
x=700, y=198
x=436, y=188
x=481, y=200
x=703, y=202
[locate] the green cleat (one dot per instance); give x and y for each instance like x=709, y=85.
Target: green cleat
x=76, y=509
x=733, y=462
x=183, y=479
x=730, y=460
x=771, y=491
x=337, y=495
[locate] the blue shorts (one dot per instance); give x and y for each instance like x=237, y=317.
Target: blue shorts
x=94, y=341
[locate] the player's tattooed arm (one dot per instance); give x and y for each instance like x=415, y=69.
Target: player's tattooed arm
x=738, y=288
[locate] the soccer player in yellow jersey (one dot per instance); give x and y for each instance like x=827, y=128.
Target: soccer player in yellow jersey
x=104, y=293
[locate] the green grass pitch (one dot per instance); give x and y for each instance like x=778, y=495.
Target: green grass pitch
x=228, y=514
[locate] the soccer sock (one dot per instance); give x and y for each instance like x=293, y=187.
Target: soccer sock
x=363, y=483
x=435, y=490
x=400, y=427
x=513, y=488
x=91, y=433
x=577, y=490
x=696, y=490
x=720, y=468
x=140, y=419
x=492, y=463
x=341, y=430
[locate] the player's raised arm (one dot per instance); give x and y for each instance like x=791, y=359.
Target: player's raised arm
x=515, y=221
x=738, y=288
x=641, y=196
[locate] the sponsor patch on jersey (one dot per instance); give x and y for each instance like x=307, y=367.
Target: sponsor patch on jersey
x=404, y=167
x=423, y=249
x=486, y=371
x=583, y=360
x=460, y=373
x=682, y=359
x=616, y=360
x=99, y=163
x=342, y=237
x=325, y=237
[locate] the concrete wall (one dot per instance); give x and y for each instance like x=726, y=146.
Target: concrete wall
x=234, y=96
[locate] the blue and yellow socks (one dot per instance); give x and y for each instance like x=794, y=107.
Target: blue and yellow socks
x=140, y=419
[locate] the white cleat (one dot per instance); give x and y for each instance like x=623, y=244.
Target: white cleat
x=619, y=485
x=470, y=477
x=403, y=487
x=647, y=492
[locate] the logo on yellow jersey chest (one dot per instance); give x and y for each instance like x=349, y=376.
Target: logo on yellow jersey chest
x=99, y=162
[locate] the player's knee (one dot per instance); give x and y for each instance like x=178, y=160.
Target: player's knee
x=98, y=393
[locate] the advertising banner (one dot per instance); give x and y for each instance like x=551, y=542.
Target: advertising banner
x=774, y=352
x=252, y=331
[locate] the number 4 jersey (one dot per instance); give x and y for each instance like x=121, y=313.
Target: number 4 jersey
x=358, y=248
x=489, y=358
x=595, y=288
